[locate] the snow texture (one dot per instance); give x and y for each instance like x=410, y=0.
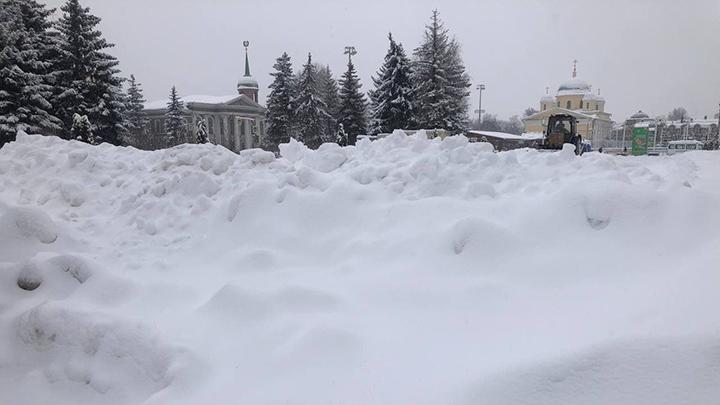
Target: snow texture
x=400, y=271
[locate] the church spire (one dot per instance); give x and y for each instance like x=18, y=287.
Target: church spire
x=247, y=85
x=247, y=61
x=575, y=68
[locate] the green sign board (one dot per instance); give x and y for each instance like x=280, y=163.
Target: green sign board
x=639, y=141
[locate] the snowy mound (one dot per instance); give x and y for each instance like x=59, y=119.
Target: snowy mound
x=404, y=270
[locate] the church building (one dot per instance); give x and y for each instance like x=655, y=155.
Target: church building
x=234, y=121
x=574, y=97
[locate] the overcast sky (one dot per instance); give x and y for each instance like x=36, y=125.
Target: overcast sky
x=643, y=54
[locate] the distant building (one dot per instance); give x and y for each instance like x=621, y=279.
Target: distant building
x=705, y=131
x=235, y=121
x=661, y=131
x=574, y=97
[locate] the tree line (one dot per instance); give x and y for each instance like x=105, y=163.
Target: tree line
x=57, y=77
x=428, y=90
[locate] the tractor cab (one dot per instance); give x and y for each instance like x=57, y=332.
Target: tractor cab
x=562, y=129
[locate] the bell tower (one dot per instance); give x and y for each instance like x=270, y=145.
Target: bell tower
x=247, y=85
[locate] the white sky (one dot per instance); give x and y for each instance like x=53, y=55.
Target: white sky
x=642, y=54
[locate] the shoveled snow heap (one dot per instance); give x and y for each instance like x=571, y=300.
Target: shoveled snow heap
x=402, y=271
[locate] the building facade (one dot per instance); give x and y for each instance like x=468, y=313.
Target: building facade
x=235, y=121
x=661, y=131
x=574, y=97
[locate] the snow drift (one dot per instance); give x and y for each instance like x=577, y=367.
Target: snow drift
x=404, y=270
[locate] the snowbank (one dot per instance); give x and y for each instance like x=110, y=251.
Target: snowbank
x=404, y=270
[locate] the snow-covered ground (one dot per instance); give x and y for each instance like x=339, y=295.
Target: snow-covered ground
x=402, y=271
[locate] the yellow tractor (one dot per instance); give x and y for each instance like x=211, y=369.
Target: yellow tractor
x=562, y=129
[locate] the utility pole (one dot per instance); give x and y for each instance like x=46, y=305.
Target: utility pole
x=480, y=87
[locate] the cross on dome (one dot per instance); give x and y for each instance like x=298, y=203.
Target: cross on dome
x=575, y=68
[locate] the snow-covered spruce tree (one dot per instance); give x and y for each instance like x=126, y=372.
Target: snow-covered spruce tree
x=441, y=84
x=136, y=117
x=353, y=105
x=81, y=129
x=310, y=111
x=201, y=131
x=174, y=121
x=279, y=115
x=87, y=80
x=392, y=99
x=328, y=90
x=25, y=80
x=330, y=94
x=341, y=137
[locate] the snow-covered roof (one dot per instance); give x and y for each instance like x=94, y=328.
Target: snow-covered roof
x=639, y=115
x=702, y=123
x=161, y=104
x=572, y=92
x=247, y=82
x=593, y=97
x=528, y=136
x=574, y=84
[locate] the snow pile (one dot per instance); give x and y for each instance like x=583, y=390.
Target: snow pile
x=404, y=270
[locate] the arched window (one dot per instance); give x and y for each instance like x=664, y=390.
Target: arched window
x=596, y=106
x=568, y=104
x=544, y=107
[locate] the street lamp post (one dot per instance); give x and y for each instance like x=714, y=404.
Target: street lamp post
x=350, y=52
x=480, y=87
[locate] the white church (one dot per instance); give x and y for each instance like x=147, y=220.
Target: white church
x=235, y=121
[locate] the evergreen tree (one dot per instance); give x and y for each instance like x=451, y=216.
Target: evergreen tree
x=25, y=81
x=279, y=113
x=678, y=114
x=201, y=131
x=87, y=80
x=330, y=94
x=82, y=130
x=174, y=121
x=310, y=111
x=329, y=91
x=441, y=83
x=392, y=100
x=136, y=116
x=352, y=105
x=341, y=138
